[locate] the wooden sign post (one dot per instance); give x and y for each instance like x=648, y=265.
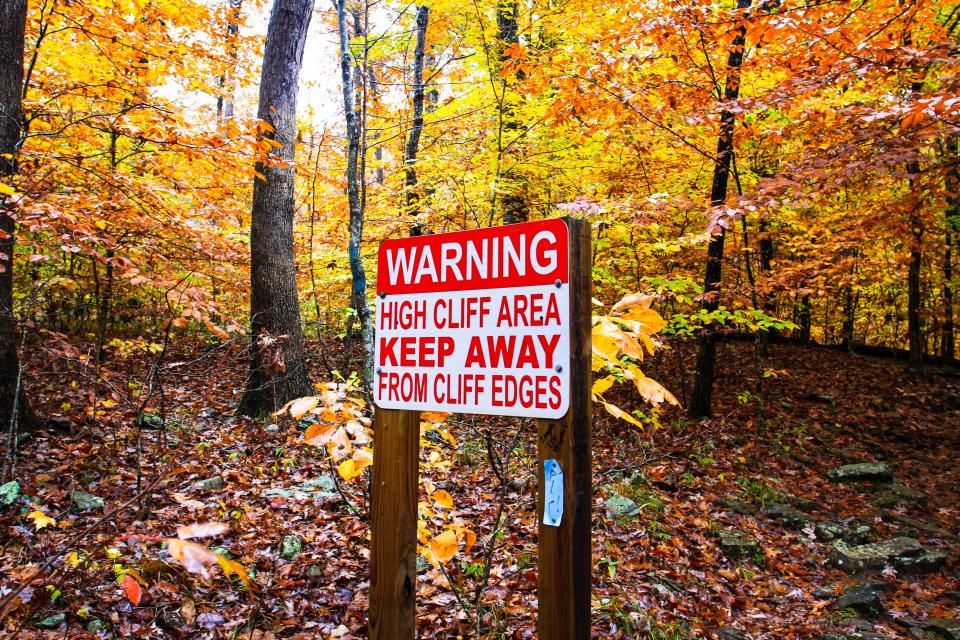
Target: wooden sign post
x=494, y=321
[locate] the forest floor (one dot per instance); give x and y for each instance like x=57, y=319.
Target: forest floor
x=713, y=529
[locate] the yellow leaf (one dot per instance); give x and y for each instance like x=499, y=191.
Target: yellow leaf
x=633, y=301
x=234, y=568
x=6, y=189
x=653, y=391
x=617, y=412
x=606, y=340
x=349, y=469
x=318, y=434
x=597, y=363
x=301, y=406
x=443, y=498
x=601, y=385
x=363, y=456
x=328, y=415
x=631, y=347
x=41, y=520
x=650, y=320
x=469, y=539
x=444, y=546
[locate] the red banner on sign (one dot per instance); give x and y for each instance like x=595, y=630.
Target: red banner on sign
x=529, y=254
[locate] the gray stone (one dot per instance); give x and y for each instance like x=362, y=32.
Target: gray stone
x=875, y=556
x=730, y=633
x=803, y=503
x=291, y=547
x=828, y=531
x=83, y=501
x=621, y=507
x=855, y=635
x=942, y=628
x=737, y=506
x=862, y=472
x=9, y=493
x=863, y=598
x=737, y=545
x=323, y=484
x=928, y=561
x=790, y=517
x=822, y=593
x=858, y=533
x=322, y=487
x=904, y=554
x=52, y=621
x=899, y=494
x=271, y=428
x=209, y=484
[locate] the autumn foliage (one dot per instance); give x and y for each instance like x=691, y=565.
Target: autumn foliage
x=126, y=199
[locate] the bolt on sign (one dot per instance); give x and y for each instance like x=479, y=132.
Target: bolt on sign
x=475, y=322
x=494, y=321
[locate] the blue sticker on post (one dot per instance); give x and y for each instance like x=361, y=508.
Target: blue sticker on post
x=552, y=493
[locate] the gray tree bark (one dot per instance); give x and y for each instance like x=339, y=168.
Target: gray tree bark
x=13, y=403
x=413, y=139
x=357, y=272
x=513, y=200
x=225, y=99
x=278, y=367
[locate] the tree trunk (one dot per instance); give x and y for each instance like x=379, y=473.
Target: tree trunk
x=512, y=202
x=804, y=319
x=850, y=304
x=13, y=17
x=225, y=99
x=914, y=295
x=413, y=140
x=701, y=396
x=357, y=272
x=278, y=370
x=104, y=306
x=948, y=347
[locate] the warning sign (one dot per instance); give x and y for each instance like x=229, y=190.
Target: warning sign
x=475, y=322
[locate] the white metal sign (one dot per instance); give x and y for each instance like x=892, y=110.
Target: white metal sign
x=475, y=322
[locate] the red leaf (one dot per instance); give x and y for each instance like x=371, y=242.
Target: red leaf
x=132, y=588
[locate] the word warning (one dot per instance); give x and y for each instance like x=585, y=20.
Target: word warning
x=475, y=322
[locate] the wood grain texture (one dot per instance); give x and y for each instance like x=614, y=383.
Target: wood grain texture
x=393, y=549
x=565, y=556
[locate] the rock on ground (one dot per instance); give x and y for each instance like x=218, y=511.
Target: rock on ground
x=862, y=472
x=904, y=554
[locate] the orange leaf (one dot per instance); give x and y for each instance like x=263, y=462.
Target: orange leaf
x=318, y=434
x=444, y=546
x=443, y=498
x=132, y=589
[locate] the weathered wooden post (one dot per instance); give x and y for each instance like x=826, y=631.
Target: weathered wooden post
x=393, y=521
x=493, y=321
x=565, y=553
